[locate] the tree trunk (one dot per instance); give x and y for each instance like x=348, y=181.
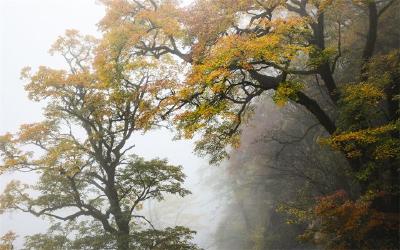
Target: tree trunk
x=371, y=38
x=122, y=240
x=121, y=218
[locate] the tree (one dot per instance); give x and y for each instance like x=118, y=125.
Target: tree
x=88, y=176
x=368, y=133
x=244, y=49
x=335, y=59
x=7, y=241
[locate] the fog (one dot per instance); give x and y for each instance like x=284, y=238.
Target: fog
x=226, y=200
x=270, y=191
x=28, y=28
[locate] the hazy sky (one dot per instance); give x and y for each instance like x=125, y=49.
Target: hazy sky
x=27, y=30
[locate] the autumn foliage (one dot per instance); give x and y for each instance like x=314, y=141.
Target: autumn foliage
x=201, y=69
x=346, y=224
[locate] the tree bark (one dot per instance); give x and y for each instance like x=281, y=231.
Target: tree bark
x=371, y=38
x=313, y=107
x=372, y=31
x=324, y=69
x=122, y=240
x=326, y=74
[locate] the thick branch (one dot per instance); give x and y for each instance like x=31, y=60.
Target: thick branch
x=312, y=106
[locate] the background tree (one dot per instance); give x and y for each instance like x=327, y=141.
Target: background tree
x=278, y=168
x=88, y=176
x=7, y=241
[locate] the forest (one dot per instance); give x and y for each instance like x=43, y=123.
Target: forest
x=294, y=104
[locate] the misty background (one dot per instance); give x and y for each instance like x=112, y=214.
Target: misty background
x=233, y=206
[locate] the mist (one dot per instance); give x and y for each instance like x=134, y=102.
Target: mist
x=216, y=125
